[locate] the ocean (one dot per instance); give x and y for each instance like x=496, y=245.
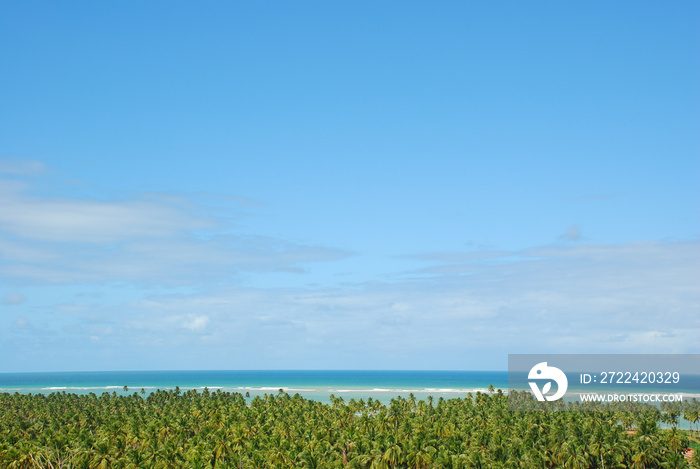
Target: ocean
x=316, y=385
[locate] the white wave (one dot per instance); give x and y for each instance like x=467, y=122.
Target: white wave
x=92, y=388
x=272, y=388
x=413, y=391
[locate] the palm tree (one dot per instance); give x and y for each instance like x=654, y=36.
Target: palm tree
x=393, y=455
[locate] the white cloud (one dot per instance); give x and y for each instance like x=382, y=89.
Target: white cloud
x=152, y=239
x=22, y=322
x=20, y=166
x=195, y=323
x=25, y=252
x=14, y=298
x=174, y=261
x=572, y=233
x=88, y=221
x=626, y=298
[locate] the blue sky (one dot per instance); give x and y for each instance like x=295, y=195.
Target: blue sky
x=346, y=185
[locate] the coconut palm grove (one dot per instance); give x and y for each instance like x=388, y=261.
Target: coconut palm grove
x=208, y=430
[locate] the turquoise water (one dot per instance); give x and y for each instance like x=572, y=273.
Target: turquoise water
x=317, y=385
